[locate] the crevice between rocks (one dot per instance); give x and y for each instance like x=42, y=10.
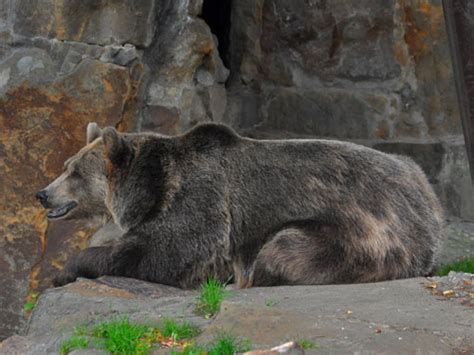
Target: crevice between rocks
x=217, y=14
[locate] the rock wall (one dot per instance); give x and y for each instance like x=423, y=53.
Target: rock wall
x=375, y=72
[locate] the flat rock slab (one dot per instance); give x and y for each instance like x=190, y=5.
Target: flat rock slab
x=388, y=317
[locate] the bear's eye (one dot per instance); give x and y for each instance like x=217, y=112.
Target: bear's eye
x=76, y=174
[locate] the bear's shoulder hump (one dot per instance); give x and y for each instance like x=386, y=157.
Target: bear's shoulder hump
x=212, y=133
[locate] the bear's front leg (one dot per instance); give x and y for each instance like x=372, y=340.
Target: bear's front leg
x=90, y=263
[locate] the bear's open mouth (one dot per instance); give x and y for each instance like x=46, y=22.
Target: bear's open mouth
x=62, y=211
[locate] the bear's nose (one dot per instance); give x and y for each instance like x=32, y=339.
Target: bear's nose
x=42, y=197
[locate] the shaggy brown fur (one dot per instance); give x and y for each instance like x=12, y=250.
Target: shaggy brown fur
x=210, y=202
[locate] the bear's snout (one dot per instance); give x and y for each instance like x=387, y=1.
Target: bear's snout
x=42, y=197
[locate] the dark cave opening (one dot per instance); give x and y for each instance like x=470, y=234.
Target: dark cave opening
x=216, y=13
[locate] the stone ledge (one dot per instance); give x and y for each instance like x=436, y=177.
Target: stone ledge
x=389, y=317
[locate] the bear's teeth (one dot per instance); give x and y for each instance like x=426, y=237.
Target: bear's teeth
x=62, y=211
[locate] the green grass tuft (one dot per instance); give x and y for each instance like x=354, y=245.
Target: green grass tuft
x=270, y=303
x=307, y=344
x=191, y=350
x=178, y=331
x=30, y=304
x=228, y=344
x=462, y=265
x=222, y=344
x=119, y=336
x=73, y=343
x=212, y=294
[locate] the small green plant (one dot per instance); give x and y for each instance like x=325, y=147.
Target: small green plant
x=119, y=336
x=212, y=294
x=178, y=331
x=464, y=265
x=307, y=344
x=270, y=303
x=30, y=303
x=73, y=343
x=228, y=344
x=29, y=306
x=222, y=344
x=191, y=350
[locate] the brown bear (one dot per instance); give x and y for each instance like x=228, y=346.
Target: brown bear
x=268, y=212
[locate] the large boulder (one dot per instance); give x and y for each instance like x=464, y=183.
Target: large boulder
x=43, y=116
x=343, y=319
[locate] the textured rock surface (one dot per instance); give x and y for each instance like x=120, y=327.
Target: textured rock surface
x=364, y=318
x=43, y=116
x=94, y=22
x=62, y=65
x=393, y=54
x=362, y=70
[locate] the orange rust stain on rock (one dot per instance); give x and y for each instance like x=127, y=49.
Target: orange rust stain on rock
x=108, y=86
x=383, y=130
x=434, y=16
x=400, y=54
x=414, y=35
x=58, y=264
x=425, y=8
x=58, y=20
x=207, y=47
x=41, y=226
x=132, y=100
x=39, y=128
x=422, y=24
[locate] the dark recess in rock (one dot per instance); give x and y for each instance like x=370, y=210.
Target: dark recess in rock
x=216, y=13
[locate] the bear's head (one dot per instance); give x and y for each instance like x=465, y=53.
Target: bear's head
x=136, y=171
x=79, y=192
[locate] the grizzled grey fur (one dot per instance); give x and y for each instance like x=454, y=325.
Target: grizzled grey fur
x=210, y=202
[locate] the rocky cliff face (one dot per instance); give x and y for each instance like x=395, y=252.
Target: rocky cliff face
x=362, y=70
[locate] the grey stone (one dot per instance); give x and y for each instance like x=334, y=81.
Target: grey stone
x=459, y=242
x=27, y=64
x=217, y=102
x=414, y=119
x=5, y=18
x=103, y=22
x=204, y=77
x=72, y=59
x=195, y=7
x=363, y=318
x=215, y=64
x=332, y=113
x=4, y=77
x=120, y=55
x=346, y=319
x=377, y=62
x=33, y=65
x=341, y=40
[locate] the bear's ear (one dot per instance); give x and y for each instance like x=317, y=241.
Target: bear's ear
x=116, y=149
x=93, y=132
